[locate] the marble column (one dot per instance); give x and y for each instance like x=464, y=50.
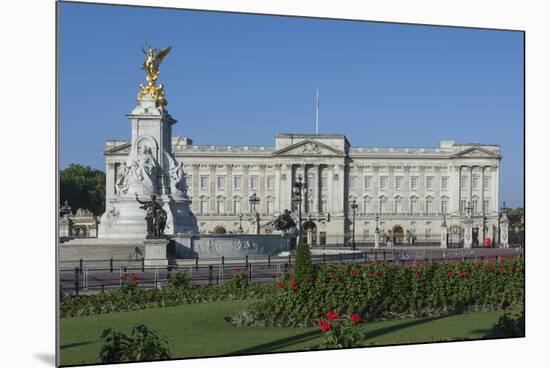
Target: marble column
x=229, y=188
x=278, y=201
x=212, y=182
x=195, y=188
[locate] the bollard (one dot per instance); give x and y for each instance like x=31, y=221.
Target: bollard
x=324, y=258
x=111, y=265
x=76, y=271
x=250, y=274
x=269, y=261
x=384, y=253
x=223, y=261
x=81, y=265
x=142, y=264
x=290, y=259
x=196, y=263
x=210, y=275
x=286, y=267
x=246, y=261
x=102, y=288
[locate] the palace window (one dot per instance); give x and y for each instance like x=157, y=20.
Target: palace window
x=236, y=206
x=270, y=182
x=462, y=206
x=382, y=206
x=486, y=182
x=383, y=182
x=444, y=183
x=398, y=182
x=204, y=206
x=269, y=207
x=429, y=208
x=444, y=206
x=414, y=206
x=474, y=206
x=324, y=206
x=368, y=183
x=475, y=182
x=463, y=182
x=220, y=206
x=221, y=182
x=311, y=181
x=237, y=183
x=486, y=206
x=204, y=182
x=310, y=206
x=398, y=206
x=414, y=183
x=429, y=182
x=254, y=183
x=324, y=182
x=367, y=205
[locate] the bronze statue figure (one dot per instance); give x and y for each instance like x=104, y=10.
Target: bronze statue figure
x=155, y=216
x=284, y=222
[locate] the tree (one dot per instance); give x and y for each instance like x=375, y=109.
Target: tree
x=303, y=265
x=515, y=212
x=83, y=187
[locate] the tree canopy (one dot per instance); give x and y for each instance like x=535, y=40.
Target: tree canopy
x=83, y=187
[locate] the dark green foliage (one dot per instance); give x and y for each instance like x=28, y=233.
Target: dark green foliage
x=142, y=345
x=383, y=291
x=83, y=187
x=239, y=280
x=303, y=267
x=515, y=212
x=509, y=325
x=179, y=280
x=128, y=298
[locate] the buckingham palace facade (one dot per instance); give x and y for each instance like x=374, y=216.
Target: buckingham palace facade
x=407, y=193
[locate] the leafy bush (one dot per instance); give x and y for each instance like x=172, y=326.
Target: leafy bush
x=239, y=280
x=340, y=332
x=508, y=325
x=128, y=297
x=381, y=290
x=303, y=267
x=142, y=345
x=179, y=280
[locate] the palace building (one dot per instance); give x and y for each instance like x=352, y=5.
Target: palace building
x=407, y=193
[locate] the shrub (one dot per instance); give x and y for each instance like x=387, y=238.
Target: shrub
x=239, y=280
x=179, y=280
x=303, y=267
x=381, y=290
x=142, y=345
x=508, y=325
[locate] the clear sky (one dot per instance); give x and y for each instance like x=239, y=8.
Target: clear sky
x=239, y=79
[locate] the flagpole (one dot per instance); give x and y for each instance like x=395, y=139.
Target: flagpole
x=317, y=114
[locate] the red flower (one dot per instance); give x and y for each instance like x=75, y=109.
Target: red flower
x=281, y=285
x=321, y=321
x=133, y=277
x=332, y=315
x=356, y=318
x=325, y=327
x=462, y=273
x=354, y=272
x=450, y=275
x=417, y=274
x=294, y=286
x=501, y=270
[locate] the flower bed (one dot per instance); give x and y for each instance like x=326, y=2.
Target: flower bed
x=129, y=297
x=383, y=291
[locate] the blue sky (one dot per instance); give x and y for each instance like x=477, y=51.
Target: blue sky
x=241, y=79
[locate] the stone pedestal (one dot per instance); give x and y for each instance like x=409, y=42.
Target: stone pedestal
x=310, y=237
x=443, y=236
x=156, y=252
x=468, y=234
x=65, y=227
x=377, y=239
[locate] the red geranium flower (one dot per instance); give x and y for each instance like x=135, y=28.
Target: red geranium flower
x=417, y=274
x=501, y=270
x=133, y=277
x=450, y=275
x=281, y=285
x=356, y=318
x=294, y=286
x=325, y=327
x=354, y=273
x=332, y=315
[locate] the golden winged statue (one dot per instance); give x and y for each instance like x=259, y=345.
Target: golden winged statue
x=154, y=58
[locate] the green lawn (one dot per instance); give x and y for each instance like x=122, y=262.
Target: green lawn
x=195, y=330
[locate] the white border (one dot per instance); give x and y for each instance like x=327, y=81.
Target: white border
x=28, y=179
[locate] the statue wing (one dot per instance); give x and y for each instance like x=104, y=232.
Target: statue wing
x=161, y=55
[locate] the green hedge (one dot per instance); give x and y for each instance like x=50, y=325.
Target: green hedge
x=383, y=291
x=129, y=298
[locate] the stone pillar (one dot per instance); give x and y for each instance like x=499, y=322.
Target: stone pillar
x=459, y=189
x=377, y=238
x=110, y=183
x=229, y=188
x=330, y=189
x=468, y=234
x=245, y=185
x=504, y=232
x=316, y=188
x=471, y=185
x=310, y=237
x=341, y=189
x=195, y=188
x=278, y=201
x=212, y=183
x=262, y=206
x=482, y=196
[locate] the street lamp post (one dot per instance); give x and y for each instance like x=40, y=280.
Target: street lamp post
x=354, y=207
x=254, y=200
x=297, y=189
